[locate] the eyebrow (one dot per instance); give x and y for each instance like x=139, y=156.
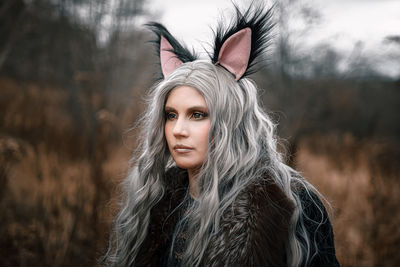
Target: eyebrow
x=194, y=108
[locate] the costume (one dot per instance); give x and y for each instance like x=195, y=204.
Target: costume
x=237, y=48
x=253, y=230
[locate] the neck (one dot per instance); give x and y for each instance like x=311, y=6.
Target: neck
x=193, y=186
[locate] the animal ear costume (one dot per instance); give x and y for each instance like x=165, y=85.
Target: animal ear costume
x=171, y=53
x=237, y=48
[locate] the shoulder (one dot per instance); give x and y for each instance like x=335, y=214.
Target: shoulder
x=254, y=228
x=313, y=208
x=314, y=215
x=318, y=228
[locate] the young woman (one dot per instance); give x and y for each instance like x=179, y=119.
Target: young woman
x=208, y=186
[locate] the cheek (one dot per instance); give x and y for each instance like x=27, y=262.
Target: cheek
x=203, y=134
x=167, y=132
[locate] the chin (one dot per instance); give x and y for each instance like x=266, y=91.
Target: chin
x=183, y=164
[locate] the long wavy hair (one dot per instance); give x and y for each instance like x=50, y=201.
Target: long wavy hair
x=242, y=148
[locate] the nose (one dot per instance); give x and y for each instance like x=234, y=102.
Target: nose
x=180, y=128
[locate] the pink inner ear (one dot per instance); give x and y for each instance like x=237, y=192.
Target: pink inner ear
x=235, y=53
x=169, y=61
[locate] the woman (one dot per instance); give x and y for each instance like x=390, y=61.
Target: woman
x=208, y=186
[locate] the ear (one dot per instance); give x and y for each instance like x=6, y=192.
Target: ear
x=240, y=46
x=171, y=53
x=235, y=53
x=169, y=60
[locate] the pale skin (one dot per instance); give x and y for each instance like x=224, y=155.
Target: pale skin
x=186, y=130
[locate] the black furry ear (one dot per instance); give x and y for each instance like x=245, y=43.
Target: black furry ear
x=171, y=53
x=259, y=21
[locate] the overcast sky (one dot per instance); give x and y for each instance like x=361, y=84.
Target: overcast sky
x=343, y=22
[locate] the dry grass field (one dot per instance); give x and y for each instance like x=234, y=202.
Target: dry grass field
x=59, y=172
x=361, y=181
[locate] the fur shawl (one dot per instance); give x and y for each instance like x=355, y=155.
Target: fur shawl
x=253, y=230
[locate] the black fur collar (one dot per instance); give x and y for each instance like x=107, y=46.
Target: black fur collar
x=253, y=231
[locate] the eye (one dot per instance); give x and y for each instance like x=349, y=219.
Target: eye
x=199, y=115
x=170, y=115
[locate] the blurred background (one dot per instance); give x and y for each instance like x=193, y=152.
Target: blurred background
x=73, y=77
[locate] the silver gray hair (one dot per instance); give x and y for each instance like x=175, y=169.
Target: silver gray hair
x=243, y=148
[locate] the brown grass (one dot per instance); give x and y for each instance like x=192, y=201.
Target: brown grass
x=57, y=175
x=361, y=181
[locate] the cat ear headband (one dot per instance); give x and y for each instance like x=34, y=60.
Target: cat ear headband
x=237, y=48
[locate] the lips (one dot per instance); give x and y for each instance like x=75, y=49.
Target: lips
x=183, y=149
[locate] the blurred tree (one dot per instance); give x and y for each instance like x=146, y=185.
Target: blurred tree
x=78, y=64
x=393, y=56
x=296, y=20
x=318, y=89
x=290, y=66
x=11, y=13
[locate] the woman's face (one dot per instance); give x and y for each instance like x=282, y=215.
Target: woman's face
x=186, y=127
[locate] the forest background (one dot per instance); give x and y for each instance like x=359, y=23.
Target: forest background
x=71, y=90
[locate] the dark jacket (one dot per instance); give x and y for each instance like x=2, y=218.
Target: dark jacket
x=253, y=230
